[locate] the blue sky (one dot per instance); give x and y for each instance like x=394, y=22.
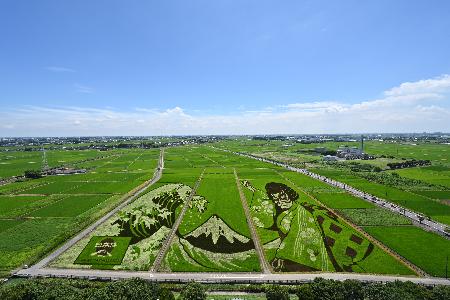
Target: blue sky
x=176, y=67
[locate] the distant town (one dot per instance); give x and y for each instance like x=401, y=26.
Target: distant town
x=117, y=142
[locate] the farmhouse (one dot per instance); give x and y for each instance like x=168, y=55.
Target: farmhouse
x=66, y=171
x=349, y=152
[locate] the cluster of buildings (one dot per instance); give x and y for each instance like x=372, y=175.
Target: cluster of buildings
x=65, y=171
x=350, y=152
x=345, y=152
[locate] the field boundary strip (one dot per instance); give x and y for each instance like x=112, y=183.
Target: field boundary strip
x=388, y=250
x=28, y=213
x=212, y=160
x=262, y=258
x=165, y=246
x=128, y=198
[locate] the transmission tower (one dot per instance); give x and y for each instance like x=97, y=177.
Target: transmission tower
x=44, y=160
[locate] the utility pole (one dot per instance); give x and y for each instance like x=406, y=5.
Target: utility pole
x=44, y=160
x=446, y=268
x=362, y=143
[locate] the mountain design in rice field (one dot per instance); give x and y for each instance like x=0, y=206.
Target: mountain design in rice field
x=216, y=236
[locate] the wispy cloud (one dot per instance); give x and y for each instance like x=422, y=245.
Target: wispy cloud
x=410, y=107
x=59, y=69
x=83, y=88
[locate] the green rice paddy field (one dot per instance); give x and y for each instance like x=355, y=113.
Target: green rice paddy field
x=301, y=235
x=409, y=241
x=302, y=224
x=37, y=215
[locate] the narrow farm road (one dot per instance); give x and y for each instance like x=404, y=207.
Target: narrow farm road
x=165, y=246
x=129, y=198
x=259, y=250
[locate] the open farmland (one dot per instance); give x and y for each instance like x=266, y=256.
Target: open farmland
x=15, y=163
x=141, y=228
x=426, y=250
x=437, y=174
x=297, y=234
x=146, y=222
x=214, y=235
x=300, y=234
x=427, y=200
x=38, y=214
x=193, y=220
x=421, y=189
x=433, y=208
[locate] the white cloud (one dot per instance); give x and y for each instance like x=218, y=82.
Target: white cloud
x=60, y=69
x=83, y=88
x=317, y=106
x=433, y=85
x=410, y=107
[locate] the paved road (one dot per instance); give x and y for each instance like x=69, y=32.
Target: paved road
x=262, y=258
x=165, y=247
x=225, y=277
x=418, y=219
x=88, y=230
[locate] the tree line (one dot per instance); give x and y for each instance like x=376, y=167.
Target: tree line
x=139, y=289
x=408, y=164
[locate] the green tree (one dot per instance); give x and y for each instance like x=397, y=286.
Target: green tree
x=440, y=292
x=325, y=289
x=353, y=290
x=193, y=291
x=396, y=290
x=304, y=292
x=165, y=294
x=33, y=174
x=407, y=290
x=376, y=292
x=132, y=289
x=276, y=292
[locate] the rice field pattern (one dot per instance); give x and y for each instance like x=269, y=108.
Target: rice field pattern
x=304, y=236
x=213, y=235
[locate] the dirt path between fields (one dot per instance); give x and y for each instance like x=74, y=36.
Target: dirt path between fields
x=265, y=268
x=165, y=246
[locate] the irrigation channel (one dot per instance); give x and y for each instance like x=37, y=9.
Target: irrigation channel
x=418, y=219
